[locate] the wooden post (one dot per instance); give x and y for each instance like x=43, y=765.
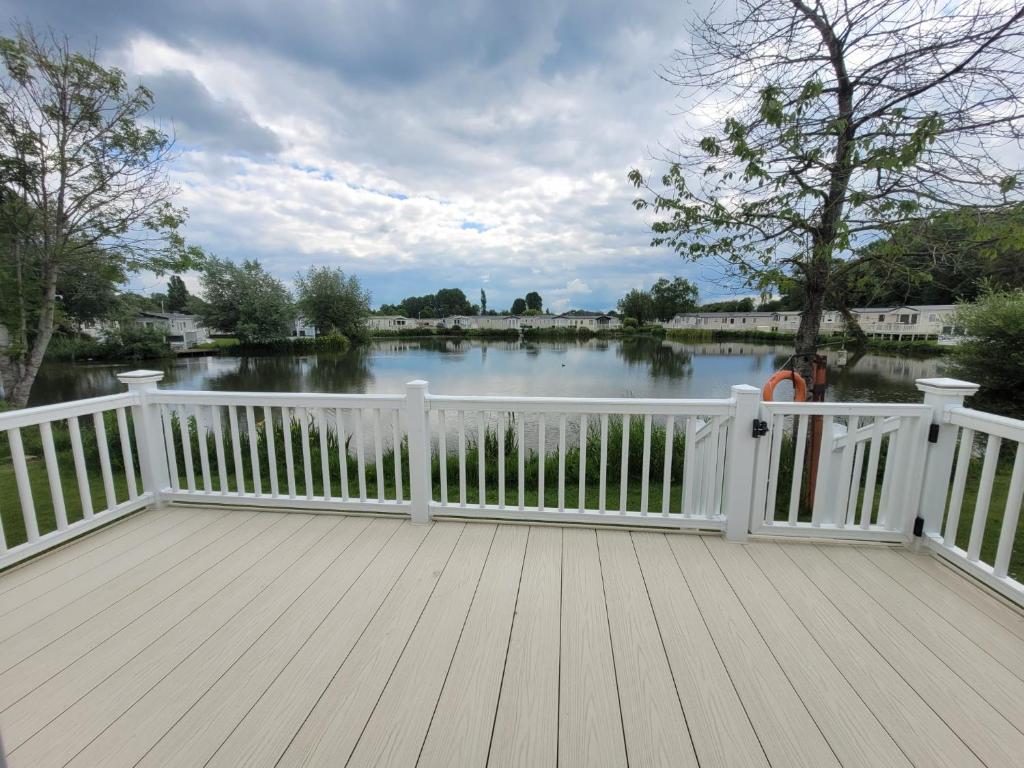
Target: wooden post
x=419, y=451
x=739, y=458
x=940, y=394
x=148, y=431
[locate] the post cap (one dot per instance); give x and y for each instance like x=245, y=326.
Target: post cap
x=141, y=376
x=418, y=383
x=745, y=389
x=943, y=386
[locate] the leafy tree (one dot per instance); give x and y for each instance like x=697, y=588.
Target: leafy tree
x=483, y=302
x=177, y=295
x=992, y=350
x=79, y=175
x=244, y=300
x=734, y=305
x=669, y=298
x=518, y=307
x=87, y=291
x=534, y=301
x=452, y=301
x=332, y=301
x=638, y=305
x=951, y=256
x=840, y=121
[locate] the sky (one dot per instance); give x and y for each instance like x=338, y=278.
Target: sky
x=418, y=145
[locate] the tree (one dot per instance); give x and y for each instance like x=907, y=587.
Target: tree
x=177, y=295
x=79, y=173
x=483, y=302
x=533, y=301
x=839, y=122
x=992, y=350
x=669, y=298
x=949, y=257
x=332, y=301
x=637, y=304
x=733, y=305
x=244, y=300
x=518, y=307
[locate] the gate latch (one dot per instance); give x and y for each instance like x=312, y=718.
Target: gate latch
x=760, y=428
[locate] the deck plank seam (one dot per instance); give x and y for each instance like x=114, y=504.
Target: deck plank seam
x=142, y=615
x=358, y=638
x=185, y=618
x=455, y=650
x=884, y=658
x=391, y=674
x=508, y=642
x=611, y=645
x=155, y=514
x=218, y=630
x=835, y=666
x=771, y=651
x=664, y=650
x=177, y=524
x=128, y=595
x=269, y=628
x=972, y=686
x=725, y=666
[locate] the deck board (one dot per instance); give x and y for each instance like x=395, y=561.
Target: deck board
x=236, y=637
x=981, y=671
x=525, y=730
x=982, y=728
x=590, y=731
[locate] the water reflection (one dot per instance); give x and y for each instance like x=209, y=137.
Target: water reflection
x=637, y=367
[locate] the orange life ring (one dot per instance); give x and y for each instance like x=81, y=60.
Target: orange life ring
x=799, y=385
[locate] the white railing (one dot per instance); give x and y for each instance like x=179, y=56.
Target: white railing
x=267, y=449
x=861, y=471
x=988, y=484
x=637, y=461
x=87, y=476
x=868, y=465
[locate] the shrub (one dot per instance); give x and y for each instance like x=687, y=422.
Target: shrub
x=992, y=352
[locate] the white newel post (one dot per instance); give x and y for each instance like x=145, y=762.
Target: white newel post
x=940, y=394
x=419, y=450
x=148, y=430
x=739, y=462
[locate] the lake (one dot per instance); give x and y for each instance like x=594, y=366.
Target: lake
x=630, y=367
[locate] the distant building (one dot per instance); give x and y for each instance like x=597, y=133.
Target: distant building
x=181, y=331
x=924, y=321
x=595, y=321
x=388, y=323
x=303, y=329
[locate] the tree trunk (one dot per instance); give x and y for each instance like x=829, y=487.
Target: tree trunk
x=24, y=374
x=806, y=343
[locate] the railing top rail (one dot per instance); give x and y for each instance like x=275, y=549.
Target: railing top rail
x=611, y=405
x=990, y=423
x=848, y=409
x=275, y=399
x=27, y=417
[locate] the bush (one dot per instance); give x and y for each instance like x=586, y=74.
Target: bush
x=992, y=352
x=127, y=343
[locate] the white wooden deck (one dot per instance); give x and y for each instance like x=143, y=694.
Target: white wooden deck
x=192, y=637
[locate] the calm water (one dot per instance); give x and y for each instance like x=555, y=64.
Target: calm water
x=640, y=367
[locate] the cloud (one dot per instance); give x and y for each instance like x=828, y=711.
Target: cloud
x=418, y=145
x=205, y=122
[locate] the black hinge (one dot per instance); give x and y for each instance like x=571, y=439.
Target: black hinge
x=933, y=433
x=918, y=526
x=760, y=428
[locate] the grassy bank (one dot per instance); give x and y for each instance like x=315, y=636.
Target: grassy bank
x=583, y=333
x=917, y=346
